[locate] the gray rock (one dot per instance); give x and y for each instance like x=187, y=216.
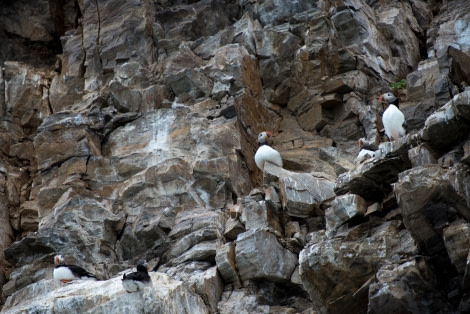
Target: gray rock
x=301, y=193
x=233, y=227
x=421, y=155
x=455, y=238
x=420, y=84
x=445, y=127
x=343, y=209
x=259, y=255
x=431, y=183
x=348, y=260
x=225, y=260
x=256, y=215
x=398, y=284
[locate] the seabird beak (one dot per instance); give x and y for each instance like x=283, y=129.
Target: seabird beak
x=269, y=133
x=380, y=98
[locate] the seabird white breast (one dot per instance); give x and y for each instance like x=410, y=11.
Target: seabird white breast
x=137, y=280
x=67, y=273
x=393, y=119
x=266, y=152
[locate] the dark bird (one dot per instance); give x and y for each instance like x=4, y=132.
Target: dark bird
x=137, y=280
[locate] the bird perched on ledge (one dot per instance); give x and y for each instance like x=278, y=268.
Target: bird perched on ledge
x=266, y=152
x=137, y=280
x=68, y=273
x=393, y=119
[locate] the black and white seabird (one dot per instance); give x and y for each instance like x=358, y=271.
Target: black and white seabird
x=67, y=273
x=266, y=152
x=137, y=280
x=393, y=119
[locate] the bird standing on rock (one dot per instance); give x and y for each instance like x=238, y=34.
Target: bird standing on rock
x=266, y=152
x=393, y=119
x=137, y=280
x=68, y=273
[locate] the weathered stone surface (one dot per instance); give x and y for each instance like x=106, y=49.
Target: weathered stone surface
x=438, y=197
x=344, y=208
x=27, y=94
x=225, y=260
x=333, y=271
x=165, y=296
x=279, y=11
x=420, y=84
x=456, y=237
x=272, y=198
x=259, y=255
x=53, y=148
x=451, y=120
x=301, y=193
x=78, y=215
x=233, y=227
x=421, y=155
x=209, y=286
x=398, y=285
x=290, y=300
x=242, y=32
x=257, y=215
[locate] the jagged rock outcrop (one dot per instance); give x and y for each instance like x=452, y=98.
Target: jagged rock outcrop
x=128, y=131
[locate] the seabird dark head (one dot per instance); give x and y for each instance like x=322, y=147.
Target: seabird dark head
x=389, y=99
x=59, y=260
x=142, y=266
x=263, y=137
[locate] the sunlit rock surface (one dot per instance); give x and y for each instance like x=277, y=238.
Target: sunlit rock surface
x=166, y=295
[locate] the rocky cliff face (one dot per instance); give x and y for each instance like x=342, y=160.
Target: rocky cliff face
x=128, y=130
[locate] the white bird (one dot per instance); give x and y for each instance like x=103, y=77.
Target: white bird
x=67, y=273
x=393, y=119
x=266, y=152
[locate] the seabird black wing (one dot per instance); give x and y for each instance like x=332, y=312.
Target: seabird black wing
x=79, y=272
